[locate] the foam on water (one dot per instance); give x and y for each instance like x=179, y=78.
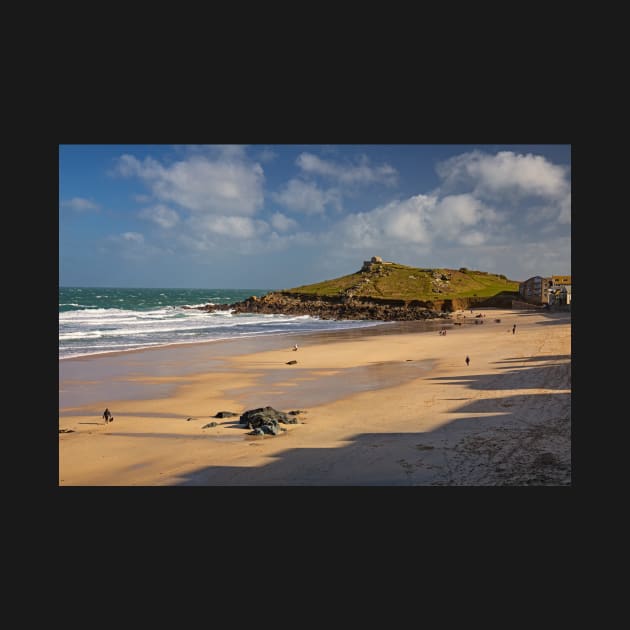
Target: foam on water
x=118, y=320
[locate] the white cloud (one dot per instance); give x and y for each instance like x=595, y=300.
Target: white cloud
x=472, y=239
x=421, y=220
x=161, y=215
x=302, y=196
x=282, y=223
x=128, y=165
x=80, y=204
x=227, y=185
x=539, y=214
x=132, y=246
x=229, y=151
x=227, y=226
x=406, y=221
x=362, y=173
x=505, y=173
x=142, y=198
x=267, y=155
x=402, y=221
x=454, y=213
x=504, y=213
x=565, y=210
x=133, y=237
x=526, y=191
x=214, y=151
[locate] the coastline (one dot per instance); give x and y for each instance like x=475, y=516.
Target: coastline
x=198, y=357
x=384, y=406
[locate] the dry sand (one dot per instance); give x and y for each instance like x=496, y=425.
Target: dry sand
x=382, y=407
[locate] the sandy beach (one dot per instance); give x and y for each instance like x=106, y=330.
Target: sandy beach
x=381, y=406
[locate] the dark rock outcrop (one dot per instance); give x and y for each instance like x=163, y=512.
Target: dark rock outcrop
x=224, y=414
x=266, y=419
x=343, y=307
x=350, y=306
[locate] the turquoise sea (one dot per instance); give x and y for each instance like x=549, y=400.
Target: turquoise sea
x=95, y=320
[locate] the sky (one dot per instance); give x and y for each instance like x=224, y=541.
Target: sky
x=280, y=216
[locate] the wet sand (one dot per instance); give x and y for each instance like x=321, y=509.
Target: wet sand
x=155, y=372
x=386, y=405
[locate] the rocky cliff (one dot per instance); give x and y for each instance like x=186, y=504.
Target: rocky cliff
x=386, y=291
x=326, y=307
x=350, y=308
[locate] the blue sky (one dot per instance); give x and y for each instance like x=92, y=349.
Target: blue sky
x=278, y=216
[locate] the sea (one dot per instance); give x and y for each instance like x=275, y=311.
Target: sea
x=98, y=320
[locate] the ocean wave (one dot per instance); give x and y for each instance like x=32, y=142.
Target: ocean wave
x=75, y=353
x=104, y=328
x=85, y=334
x=133, y=327
x=121, y=312
x=94, y=310
x=188, y=337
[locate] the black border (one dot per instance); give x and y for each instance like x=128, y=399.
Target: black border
x=399, y=115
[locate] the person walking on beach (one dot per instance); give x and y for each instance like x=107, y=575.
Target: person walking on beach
x=107, y=414
x=514, y=329
x=467, y=360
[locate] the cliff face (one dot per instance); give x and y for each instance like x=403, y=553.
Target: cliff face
x=336, y=307
x=350, y=308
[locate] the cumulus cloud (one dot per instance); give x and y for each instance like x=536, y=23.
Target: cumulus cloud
x=422, y=220
x=404, y=221
x=484, y=206
x=226, y=185
x=301, y=196
x=455, y=211
x=525, y=189
x=161, y=215
x=505, y=172
x=207, y=198
x=80, y=204
x=282, y=223
x=361, y=173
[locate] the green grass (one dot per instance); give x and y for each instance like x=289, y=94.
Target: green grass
x=400, y=282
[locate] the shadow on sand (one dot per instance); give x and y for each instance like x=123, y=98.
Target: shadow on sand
x=522, y=439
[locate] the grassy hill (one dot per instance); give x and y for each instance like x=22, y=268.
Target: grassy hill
x=399, y=282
